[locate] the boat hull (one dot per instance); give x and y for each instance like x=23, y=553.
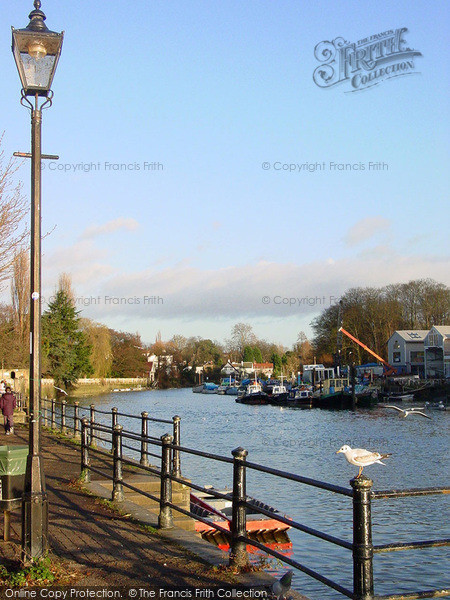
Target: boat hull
x=258, y=398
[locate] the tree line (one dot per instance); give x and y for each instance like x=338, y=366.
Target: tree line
x=373, y=314
x=74, y=346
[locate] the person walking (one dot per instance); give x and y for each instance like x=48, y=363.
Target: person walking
x=7, y=405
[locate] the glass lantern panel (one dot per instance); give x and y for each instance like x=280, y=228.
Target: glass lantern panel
x=37, y=71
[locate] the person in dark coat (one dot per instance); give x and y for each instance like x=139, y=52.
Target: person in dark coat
x=8, y=404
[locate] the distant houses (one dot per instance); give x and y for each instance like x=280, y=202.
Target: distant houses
x=246, y=369
x=157, y=363
x=421, y=352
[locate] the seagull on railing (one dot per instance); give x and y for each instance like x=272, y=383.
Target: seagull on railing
x=408, y=411
x=361, y=457
x=282, y=586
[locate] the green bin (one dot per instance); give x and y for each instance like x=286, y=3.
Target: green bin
x=13, y=462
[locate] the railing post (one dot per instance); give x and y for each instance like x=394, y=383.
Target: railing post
x=238, y=554
x=117, y=493
x=165, y=520
x=53, y=414
x=85, y=472
x=114, y=416
x=144, y=442
x=114, y=419
x=176, y=442
x=76, y=418
x=63, y=416
x=45, y=412
x=92, y=431
x=362, y=539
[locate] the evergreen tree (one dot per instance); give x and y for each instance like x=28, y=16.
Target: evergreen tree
x=277, y=364
x=257, y=356
x=65, y=347
x=248, y=354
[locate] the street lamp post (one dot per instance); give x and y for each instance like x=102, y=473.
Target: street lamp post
x=36, y=52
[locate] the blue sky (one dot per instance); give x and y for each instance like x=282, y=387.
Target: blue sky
x=210, y=91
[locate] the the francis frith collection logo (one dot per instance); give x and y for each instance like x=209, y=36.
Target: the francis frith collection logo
x=365, y=63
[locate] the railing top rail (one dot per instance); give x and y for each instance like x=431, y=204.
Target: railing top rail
x=100, y=427
x=218, y=457
x=120, y=414
x=306, y=480
x=130, y=435
x=103, y=412
x=201, y=488
x=410, y=492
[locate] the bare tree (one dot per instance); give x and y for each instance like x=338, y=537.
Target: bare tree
x=13, y=207
x=242, y=335
x=65, y=285
x=20, y=295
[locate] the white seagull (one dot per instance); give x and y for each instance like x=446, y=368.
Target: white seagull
x=408, y=411
x=361, y=458
x=61, y=390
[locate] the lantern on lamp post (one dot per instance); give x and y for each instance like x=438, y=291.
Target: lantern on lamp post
x=36, y=52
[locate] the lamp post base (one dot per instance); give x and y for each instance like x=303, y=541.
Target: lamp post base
x=34, y=526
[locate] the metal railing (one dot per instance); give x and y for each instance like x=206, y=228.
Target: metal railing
x=66, y=417
x=361, y=493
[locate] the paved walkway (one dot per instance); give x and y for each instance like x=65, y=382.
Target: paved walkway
x=105, y=548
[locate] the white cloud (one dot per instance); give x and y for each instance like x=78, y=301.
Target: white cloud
x=187, y=292
x=365, y=229
x=118, y=224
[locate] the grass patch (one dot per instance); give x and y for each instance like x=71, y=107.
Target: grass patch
x=48, y=570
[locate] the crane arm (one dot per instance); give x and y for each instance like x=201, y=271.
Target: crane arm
x=390, y=368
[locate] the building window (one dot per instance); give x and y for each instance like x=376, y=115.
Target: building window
x=433, y=340
x=397, y=357
x=396, y=345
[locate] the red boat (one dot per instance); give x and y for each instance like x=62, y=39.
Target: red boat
x=218, y=511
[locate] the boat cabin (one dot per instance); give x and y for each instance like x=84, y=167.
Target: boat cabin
x=337, y=384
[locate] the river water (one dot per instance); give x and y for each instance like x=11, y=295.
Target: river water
x=305, y=441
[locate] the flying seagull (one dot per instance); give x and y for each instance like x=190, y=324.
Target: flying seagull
x=361, y=458
x=409, y=411
x=282, y=586
x=61, y=390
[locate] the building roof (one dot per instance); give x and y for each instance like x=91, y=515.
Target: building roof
x=444, y=330
x=412, y=335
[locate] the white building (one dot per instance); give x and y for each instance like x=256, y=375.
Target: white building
x=437, y=352
x=155, y=362
x=321, y=373
x=406, y=351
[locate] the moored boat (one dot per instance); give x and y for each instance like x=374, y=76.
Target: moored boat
x=226, y=384
x=209, y=388
x=232, y=390
x=300, y=397
x=218, y=511
x=253, y=394
x=279, y=395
